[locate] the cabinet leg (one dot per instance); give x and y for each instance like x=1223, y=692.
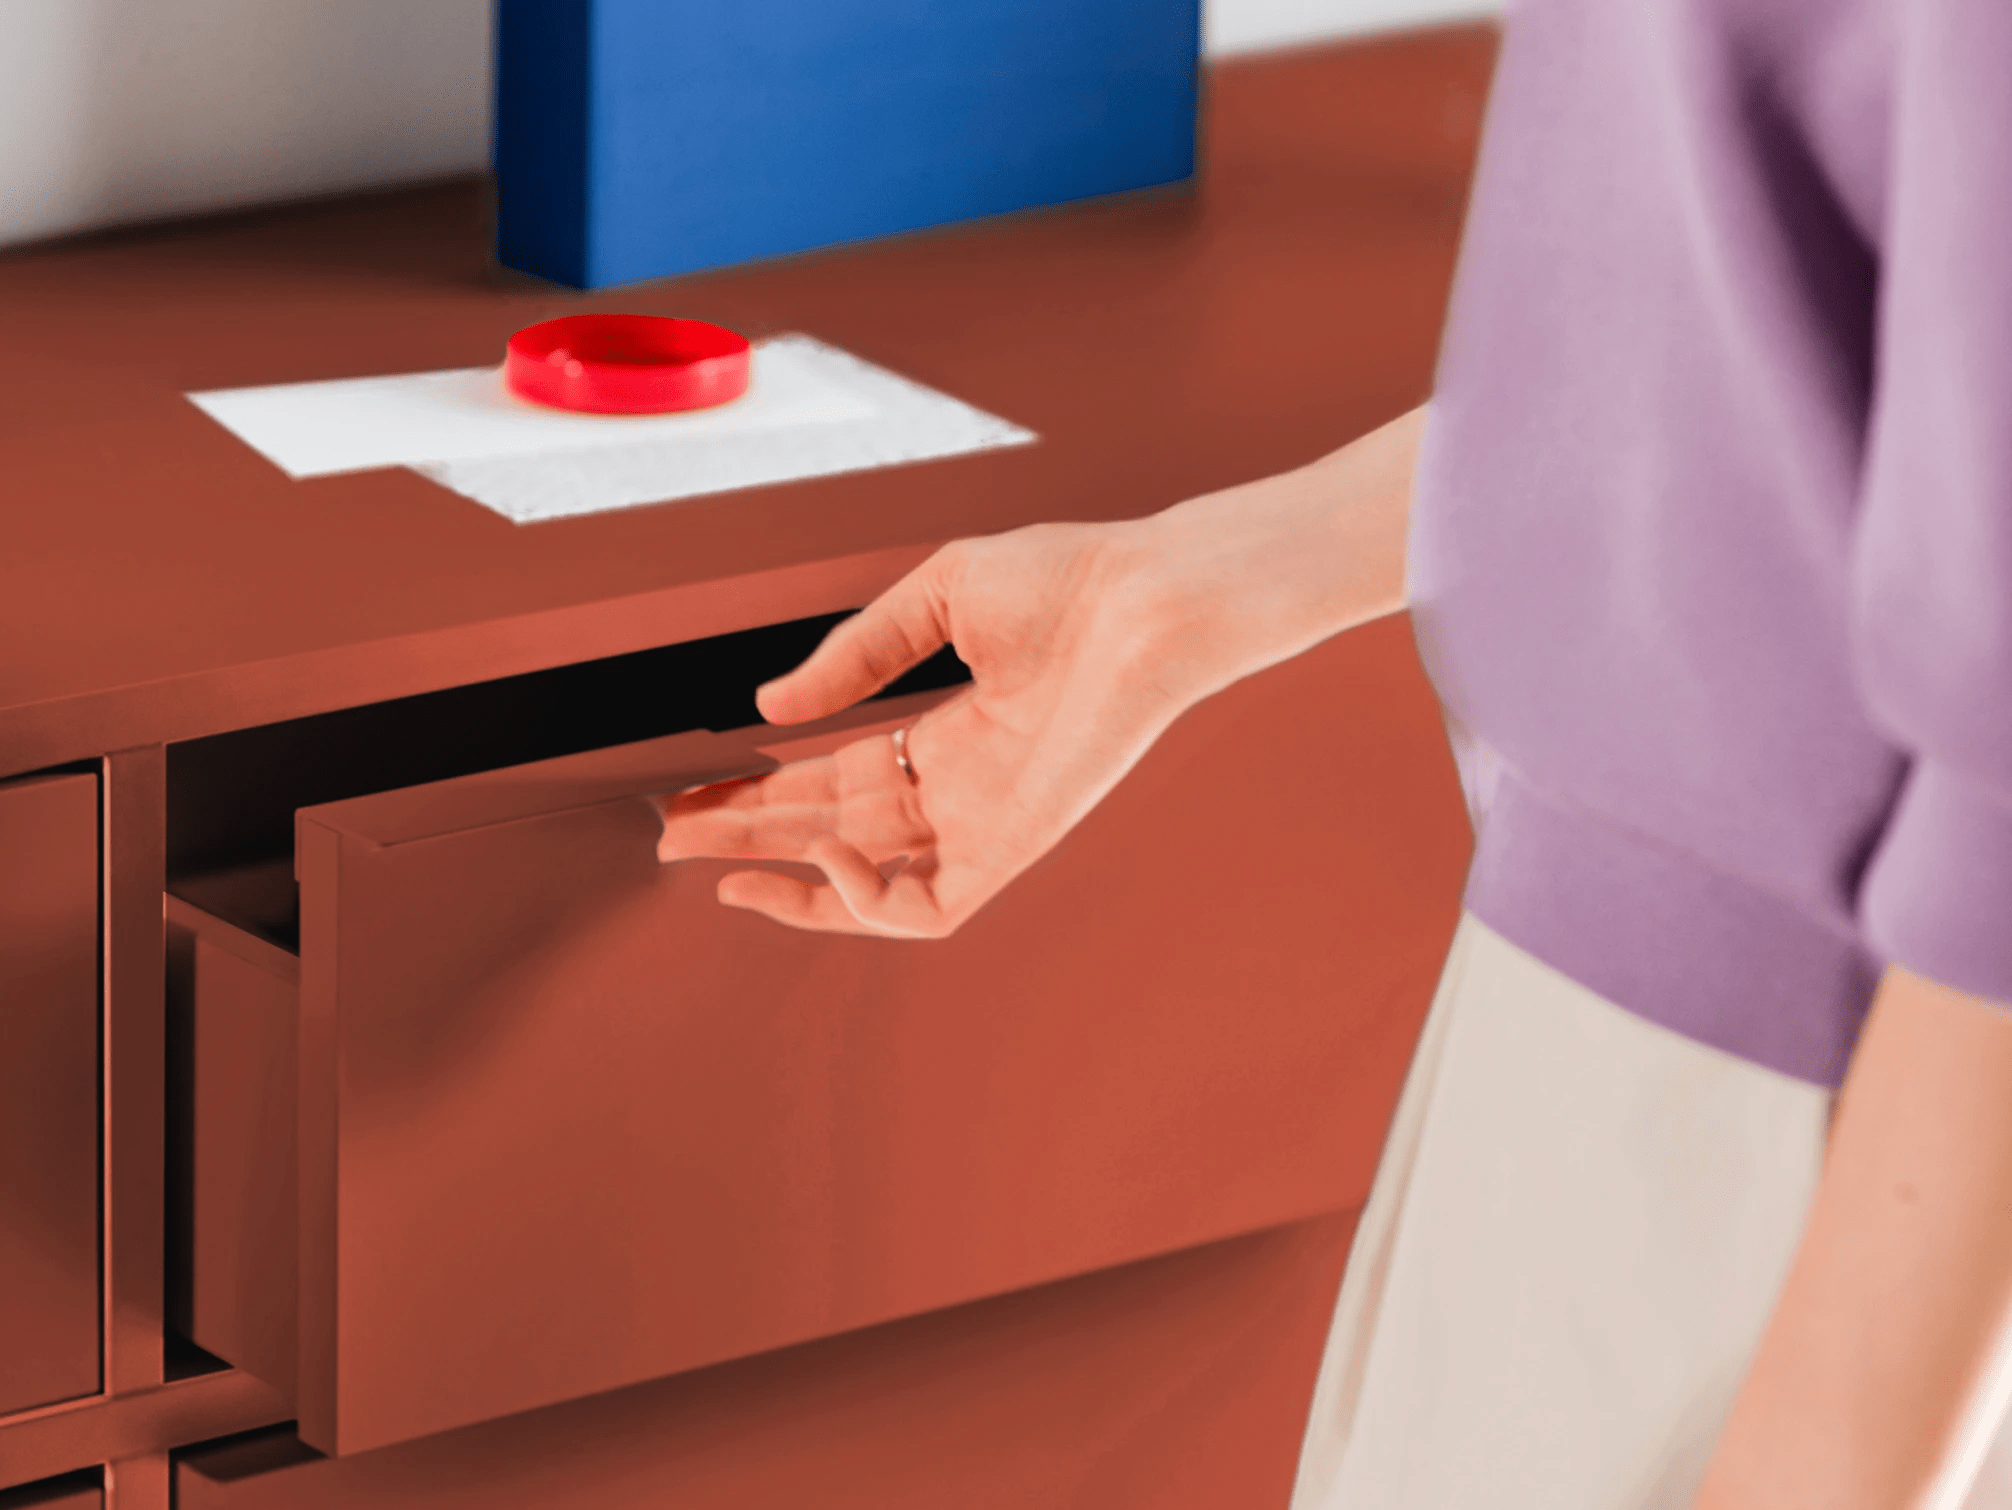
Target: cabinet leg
x=139, y=1483
x=135, y=836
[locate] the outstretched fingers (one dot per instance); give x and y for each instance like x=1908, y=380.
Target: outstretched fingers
x=858, y=793
x=901, y=907
x=855, y=898
x=784, y=899
x=769, y=817
x=901, y=628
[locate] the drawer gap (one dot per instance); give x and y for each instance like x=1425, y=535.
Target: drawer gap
x=260, y=897
x=232, y=797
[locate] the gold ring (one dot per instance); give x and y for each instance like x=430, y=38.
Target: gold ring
x=900, y=738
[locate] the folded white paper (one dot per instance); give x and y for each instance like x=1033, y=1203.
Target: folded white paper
x=810, y=410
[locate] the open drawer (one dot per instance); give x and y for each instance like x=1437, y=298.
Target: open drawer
x=529, y=1116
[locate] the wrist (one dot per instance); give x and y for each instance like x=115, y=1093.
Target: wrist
x=1226, y=584
x=1191, y=582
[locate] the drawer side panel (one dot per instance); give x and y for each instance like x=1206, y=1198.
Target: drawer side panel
x=244, y=1193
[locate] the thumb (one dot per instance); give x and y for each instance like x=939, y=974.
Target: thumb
x=901, y=628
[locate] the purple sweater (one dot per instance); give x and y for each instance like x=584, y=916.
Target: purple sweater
x=1712, y=547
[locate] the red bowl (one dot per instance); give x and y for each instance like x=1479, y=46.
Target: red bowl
x=627, y=364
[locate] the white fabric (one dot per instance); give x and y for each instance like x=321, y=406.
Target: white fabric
x=1574, y=1242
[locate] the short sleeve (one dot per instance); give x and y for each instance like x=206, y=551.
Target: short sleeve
x=1931, y=574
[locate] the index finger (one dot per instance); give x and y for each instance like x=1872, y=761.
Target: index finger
x=901, y=628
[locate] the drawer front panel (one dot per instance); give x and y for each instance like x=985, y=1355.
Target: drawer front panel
x=49, y=1185
x=1176, y=1384
x=567, y=1124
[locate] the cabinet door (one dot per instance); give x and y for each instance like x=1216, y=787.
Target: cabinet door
x=48, y=1090
x=566, y=1124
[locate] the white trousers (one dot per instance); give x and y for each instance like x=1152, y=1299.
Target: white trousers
x=1574, y=1241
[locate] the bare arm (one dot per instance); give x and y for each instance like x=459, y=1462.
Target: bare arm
x=1880, y=1377
x=1249, y=577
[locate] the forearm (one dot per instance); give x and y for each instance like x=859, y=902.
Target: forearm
x=1247, y=577
x=1880, y=1370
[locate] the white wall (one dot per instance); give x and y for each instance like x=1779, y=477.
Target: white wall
x=1235, y=26
x=119, y=110
x=114, y=111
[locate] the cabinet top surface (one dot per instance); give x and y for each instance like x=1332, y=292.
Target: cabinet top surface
x=163, y=581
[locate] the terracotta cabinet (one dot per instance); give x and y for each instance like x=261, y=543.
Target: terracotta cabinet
x=430, y=1146
x=48, y=1090
x=529, y=1117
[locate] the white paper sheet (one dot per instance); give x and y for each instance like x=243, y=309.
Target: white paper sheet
x=356, y=424
x=908, y=422
x=810, y=410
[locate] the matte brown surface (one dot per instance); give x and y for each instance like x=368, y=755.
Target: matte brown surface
x=48, y=1090
x=244, y=1158
x=136, y=1421
x=143, y=1482
x=163, y=580
x=1177, y=1384
x=546, y=1079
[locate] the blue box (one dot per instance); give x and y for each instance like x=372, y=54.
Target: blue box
x=640, y=138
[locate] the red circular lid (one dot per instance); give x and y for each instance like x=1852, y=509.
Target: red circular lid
x=627, y=364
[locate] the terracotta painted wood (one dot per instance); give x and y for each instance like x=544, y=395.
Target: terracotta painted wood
x=144, y=1482
x=1176, y=1384
x=49, y=1318
x=244, y=1212
x=165, y=583
x=55, y=1440
x=174, y=583
x=135, y=1049
x=543, y=1077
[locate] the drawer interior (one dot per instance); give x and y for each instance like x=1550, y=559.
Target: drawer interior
x=82, y=1490
x=232, y=797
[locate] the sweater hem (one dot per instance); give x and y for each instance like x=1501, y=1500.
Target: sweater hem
x=1662, y=935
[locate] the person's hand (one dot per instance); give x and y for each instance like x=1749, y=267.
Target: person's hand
x=1067, y=692
x=1085, y=641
